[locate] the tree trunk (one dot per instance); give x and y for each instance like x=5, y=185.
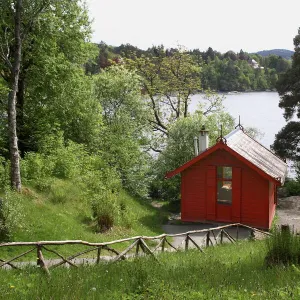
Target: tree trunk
x=12, y=122
x=20, y=115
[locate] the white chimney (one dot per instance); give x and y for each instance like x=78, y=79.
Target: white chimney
x=196, y=146
x=203, y=139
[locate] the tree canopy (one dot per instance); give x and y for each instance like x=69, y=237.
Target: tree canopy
x=288, y=85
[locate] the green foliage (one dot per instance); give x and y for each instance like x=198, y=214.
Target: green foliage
x=125, y=131
x=288, y=84
x=293, y=187
x=4, y=173
x=168, y=81
x=106, y=211
x=287, y=141
x=72, y=218
x=55, y=44
x=283, y=247
x=220, y=72
x=58, y=160
x=100, y=183
x=11, y=215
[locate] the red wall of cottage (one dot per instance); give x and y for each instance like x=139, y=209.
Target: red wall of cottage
x=272, y=202
x=251, y=193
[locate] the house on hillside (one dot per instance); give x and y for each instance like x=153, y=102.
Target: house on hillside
x=254, y=64
x=233, y=181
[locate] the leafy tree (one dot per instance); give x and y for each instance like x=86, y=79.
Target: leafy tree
x=55, y=46
x=168, y=83
x=13, y=32
x=124, y=138
x=288, y=85
x=232, y=55
x=47, y=37
x=287, y=141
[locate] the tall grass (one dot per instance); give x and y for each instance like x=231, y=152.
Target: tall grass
x=224, y=272
x=283, y=247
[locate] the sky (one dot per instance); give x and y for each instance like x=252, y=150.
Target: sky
x=221, y=24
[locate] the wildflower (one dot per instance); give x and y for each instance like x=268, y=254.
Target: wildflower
x=93, y=289
x=12, y=286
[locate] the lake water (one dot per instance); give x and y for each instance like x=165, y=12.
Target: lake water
x=257, y=109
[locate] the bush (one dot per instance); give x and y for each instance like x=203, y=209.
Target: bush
x=283, y=247
x=11, y=214
x=293, y=188
x=4, y=173
x=44, y=184
x=126, y=217
x=59, y=160
x=105, y=211
x=36, y=166
x=58, y=195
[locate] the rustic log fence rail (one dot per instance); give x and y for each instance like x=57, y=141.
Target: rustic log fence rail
x=137, y=242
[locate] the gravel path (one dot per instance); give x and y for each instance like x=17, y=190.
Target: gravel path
x=198, y=237
x=288, y=211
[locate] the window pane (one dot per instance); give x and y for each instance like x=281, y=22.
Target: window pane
x=227, y=172
x=224, y=192
x=224, y=172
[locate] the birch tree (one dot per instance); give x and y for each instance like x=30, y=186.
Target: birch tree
x=15, y=28
x=13, y=63
x=44, y=45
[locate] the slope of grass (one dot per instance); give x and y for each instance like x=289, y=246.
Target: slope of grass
x=224, y=272
x=61, y=213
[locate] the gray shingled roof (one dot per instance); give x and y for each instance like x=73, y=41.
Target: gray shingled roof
x=257, y=154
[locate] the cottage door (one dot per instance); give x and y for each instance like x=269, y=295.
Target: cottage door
x=224, y=193
x=223, y=197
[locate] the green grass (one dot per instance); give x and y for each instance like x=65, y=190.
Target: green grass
x=224, y=272
x=61, y=213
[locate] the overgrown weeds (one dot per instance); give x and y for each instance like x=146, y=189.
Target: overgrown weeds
x=11, y=214
x=283, y=247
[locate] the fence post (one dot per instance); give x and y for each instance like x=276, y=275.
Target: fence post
x=137, y=248
x=237, y=232
x=186, y=242
x=40, y=259
x=163, y=244
x=98, y=254
x=221, y=236
x=207, y=238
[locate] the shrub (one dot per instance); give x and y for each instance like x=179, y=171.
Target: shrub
x=126, y=217
x=36, y=166
x=4, y=172
x=44, y=184
x=283, y=247
x=105, y=211
x=11, y=214
x=293, y=188
x=58, y=195
x=68, y=161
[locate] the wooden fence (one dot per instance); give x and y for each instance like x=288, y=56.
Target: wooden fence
x=211, y=237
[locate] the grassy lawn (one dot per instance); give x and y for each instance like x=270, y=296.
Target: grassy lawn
x=46, y=217
x=224, y=272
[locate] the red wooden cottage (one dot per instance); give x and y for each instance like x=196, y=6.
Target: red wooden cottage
x=233, y=181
